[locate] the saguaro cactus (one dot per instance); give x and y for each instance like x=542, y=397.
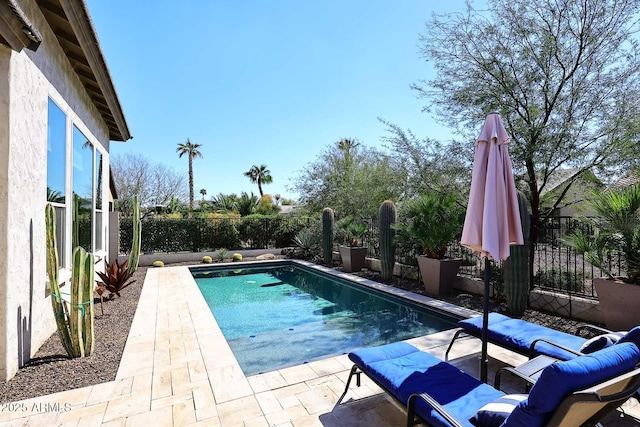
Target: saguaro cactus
x=74, y=319
x=516, y=267
x=327, y=235
x=134, y=256
x=387, y=217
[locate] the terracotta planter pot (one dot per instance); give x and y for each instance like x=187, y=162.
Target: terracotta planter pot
x=353, y=257
x=438, y=275
x=619, y=304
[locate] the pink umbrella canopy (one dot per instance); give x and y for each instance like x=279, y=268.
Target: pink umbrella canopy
x=492, y=222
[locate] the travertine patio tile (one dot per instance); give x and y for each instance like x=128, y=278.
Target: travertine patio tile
x=197, y=370
x=142, y=384
x=268, y=402
x=256, y=422
x=291, y=390
x=298, y=374
x=286, y=415
x=125, y=406
x=87, y=411
x=161, y=417
x=184, y=413
x=120, y=422
x=203, y=395
x=326, y=366
x=208, y=413
x=180, y=379
x=91, y=421
x=239, y=410
x=43, y=419
x=318, y=399
x=289, y=401
x=266, y=381
x=174, y=399
x=161, y=385
x=228, y=383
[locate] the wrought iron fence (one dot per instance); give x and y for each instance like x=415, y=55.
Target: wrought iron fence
x=557, y=267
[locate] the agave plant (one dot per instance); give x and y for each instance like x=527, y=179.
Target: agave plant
x=115, y=278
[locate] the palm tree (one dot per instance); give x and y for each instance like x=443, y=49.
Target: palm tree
x=259, y=174
x=203, y=192
x=192, y=151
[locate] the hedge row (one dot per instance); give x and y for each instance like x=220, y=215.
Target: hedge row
x=205, y=234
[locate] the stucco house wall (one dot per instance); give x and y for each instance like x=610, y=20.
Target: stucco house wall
x=28, y=78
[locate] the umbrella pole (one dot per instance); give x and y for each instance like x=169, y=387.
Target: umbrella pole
x=484, y=361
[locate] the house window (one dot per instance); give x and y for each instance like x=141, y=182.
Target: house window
x=83, y=200
x=74, y=186
x=99, y=230
x=56, y=171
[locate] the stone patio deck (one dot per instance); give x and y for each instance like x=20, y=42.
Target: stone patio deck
x=178, y=370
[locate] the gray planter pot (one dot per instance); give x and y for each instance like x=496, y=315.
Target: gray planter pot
x=619, y=303
x=438, y=275
x=353, y=257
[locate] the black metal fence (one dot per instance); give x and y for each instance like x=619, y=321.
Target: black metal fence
x=557, y=267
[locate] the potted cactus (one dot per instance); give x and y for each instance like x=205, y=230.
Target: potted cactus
x=353, y=252
x=429, y=224
x=616, y=226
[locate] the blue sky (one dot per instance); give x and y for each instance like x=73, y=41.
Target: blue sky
x=257, y=81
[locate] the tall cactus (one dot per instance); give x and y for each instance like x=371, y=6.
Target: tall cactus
x=516, y=267
x=327, y=235
x=59, y=306
x=134, y=256
x=387, y=217
x=74, y=319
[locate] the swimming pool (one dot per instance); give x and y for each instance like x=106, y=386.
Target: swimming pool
x=281, y=315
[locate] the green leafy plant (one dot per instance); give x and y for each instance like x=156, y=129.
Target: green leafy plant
x=115, y=278
x=221, y=254
x=353, y=230
x=430, y=222
x=616, y=228
x=307, y=244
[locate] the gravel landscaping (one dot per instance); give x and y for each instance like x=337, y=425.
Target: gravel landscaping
x=51, y=371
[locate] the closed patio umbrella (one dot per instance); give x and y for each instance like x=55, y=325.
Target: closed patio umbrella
x=492, y=221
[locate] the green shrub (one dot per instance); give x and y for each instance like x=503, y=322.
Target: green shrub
x=221, y=254
x=561, y=280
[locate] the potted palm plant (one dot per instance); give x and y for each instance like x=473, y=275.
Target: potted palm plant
x=429, y=224
x=353, y=252
x=616, y=231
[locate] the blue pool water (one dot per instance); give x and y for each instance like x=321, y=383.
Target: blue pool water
x=279, y=316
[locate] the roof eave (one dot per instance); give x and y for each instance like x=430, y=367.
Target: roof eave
x=72, y=26
x=16, y=30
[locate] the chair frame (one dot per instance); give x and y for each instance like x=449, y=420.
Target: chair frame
x=606, y=396
x=531, y=352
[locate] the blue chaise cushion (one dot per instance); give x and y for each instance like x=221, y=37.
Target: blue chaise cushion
x=407, y=371
x=560, y=379
x=632, y=336
x=518, y=335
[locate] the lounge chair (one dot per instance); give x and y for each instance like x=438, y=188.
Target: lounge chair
x=530, y=339
x=567, y=393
